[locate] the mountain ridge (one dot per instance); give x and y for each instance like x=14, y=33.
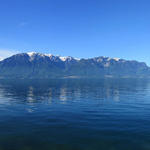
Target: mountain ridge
x=39, y=65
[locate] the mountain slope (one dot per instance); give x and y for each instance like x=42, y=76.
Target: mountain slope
x=37, y=65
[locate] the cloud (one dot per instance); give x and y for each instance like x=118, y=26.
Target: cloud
x=7, y=53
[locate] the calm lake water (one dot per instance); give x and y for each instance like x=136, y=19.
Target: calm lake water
x=75, y=114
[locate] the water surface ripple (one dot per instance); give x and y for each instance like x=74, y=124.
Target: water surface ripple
x=75, y=114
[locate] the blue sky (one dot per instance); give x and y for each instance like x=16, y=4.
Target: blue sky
x=79, y=28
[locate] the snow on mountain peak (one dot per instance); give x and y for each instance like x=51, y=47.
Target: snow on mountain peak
x=68, y=58
x=116, y=59
x=48, y=55
x=31, y=53
x=62, y=58
x=65, y=58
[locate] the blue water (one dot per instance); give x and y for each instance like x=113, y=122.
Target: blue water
x=73, y=114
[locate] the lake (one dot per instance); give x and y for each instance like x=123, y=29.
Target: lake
x=75, y=114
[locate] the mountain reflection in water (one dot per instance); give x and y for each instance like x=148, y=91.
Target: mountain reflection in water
x=74, y=114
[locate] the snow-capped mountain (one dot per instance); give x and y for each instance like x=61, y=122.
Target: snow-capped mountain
x=33, y=55
x=38, y=65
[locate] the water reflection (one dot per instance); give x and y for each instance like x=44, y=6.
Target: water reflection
x=30, y=95
x=75, y=114
x=64, y=90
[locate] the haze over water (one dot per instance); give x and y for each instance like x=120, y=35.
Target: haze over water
x=74, y=114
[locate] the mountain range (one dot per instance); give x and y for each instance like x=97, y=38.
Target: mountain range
x=38, y=65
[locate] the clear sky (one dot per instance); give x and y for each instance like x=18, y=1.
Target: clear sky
x=79, y=28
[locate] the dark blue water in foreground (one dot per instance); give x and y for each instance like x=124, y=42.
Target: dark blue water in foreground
x=75, y=114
